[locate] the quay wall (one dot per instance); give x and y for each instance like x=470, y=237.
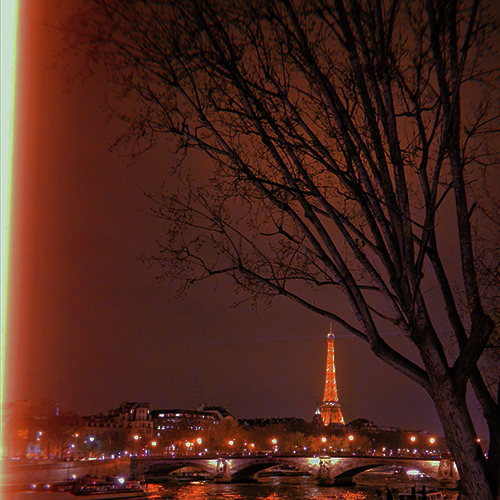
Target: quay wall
x=43, y=471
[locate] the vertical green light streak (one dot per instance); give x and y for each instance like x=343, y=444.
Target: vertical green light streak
x=9, y=22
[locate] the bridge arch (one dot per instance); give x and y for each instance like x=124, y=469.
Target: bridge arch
x=343, y=471
x=347, y=477
x=247, y=471
x=158, y=471
x=328, y=469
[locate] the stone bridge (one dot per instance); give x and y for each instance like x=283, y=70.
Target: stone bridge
x=329, y=470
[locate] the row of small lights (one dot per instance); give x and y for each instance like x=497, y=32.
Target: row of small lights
x=231, y=442
x=274, y=441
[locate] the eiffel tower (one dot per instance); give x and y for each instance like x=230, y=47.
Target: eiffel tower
x=331, y=412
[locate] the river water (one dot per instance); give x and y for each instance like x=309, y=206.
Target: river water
x=272, y=488
x=368, y=487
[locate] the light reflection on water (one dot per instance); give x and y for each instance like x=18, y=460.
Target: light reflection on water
x=292, y=489
x=272, y=488
x=296, y=488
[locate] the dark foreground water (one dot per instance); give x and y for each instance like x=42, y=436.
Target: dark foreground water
x=275, y=489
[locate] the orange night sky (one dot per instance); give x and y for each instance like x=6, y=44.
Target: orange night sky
x=90, y=327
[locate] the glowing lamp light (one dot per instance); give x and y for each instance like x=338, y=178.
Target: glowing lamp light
x=136, y=437
x=323, y=440
x=351, y=438
x=153, y=443
x=231, y=442
x=274, y=441
x=432, y=440
x=121, y=480
x=199, y=441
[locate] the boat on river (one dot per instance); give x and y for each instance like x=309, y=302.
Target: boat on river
x=192, y=477
x=97, y=489
x=283, y=470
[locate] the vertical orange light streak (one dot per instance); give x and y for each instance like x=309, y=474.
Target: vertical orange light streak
x=9, y=29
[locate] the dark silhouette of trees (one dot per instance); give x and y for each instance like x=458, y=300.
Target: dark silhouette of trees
x=39, y=428
x=348, y=145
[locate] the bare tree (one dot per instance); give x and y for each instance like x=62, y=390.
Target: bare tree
x=343, y=141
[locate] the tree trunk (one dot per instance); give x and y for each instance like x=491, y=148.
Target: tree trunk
x=493, y=464
x=462, y=443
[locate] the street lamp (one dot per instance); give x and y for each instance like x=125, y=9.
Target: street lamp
x=275, y=443
x=39, y=444
x=199, y=441
x=350, y=443
x=91, y=446
x=153, y=444
x=136, y=437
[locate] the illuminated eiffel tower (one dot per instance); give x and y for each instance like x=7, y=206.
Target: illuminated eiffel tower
x=331, y=412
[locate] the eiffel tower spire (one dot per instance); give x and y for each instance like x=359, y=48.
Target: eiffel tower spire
x=331, y=412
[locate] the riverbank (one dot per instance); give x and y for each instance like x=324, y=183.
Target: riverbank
x=19, y=474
